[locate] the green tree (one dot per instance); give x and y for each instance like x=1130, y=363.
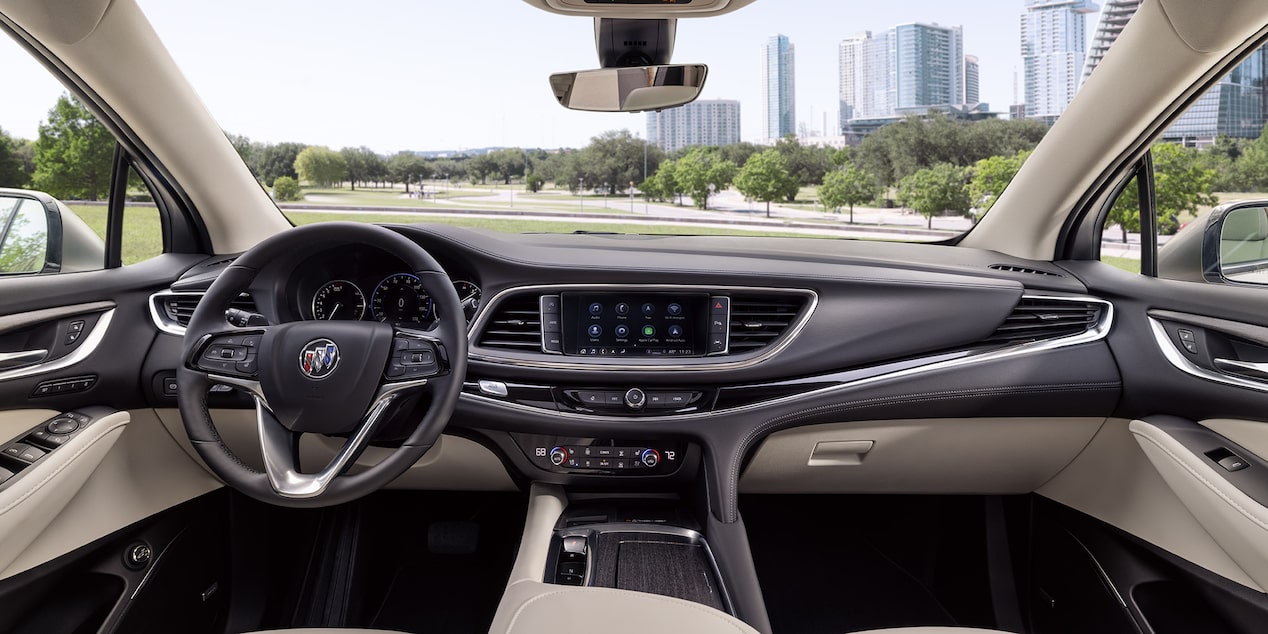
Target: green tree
x=807, y=164
x=914, y=143
x=362, y=165
x=663, y=183
x=851, y=186
x=408, y=167
x=701, y=173
x=286, y=189
x=615, y=158
x=268, y=161
x=320, y=166
x=988, y=178
x=764, y=177
x=1181, y=184
x=73, y=153
x=12, y=166
x=934, y=191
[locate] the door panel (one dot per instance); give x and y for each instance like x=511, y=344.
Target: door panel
x=1226, y=494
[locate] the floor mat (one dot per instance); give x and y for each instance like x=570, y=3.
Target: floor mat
x=835, y=564
x=434, y=575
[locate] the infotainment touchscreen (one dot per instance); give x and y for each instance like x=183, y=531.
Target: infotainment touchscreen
x=635, y=324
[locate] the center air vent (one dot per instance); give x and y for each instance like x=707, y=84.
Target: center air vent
x=180, y=308
x=1036, y=319
x=758, y=320
x=516, y=325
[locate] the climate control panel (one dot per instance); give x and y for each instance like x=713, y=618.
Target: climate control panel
x=608, y=457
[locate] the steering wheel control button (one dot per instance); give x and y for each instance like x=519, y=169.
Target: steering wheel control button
x=63, y=425
x=412, y=359
x=635, y=398
x=558, y=456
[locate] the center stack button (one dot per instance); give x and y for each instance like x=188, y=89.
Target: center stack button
x=635, y=398
x=552, y=328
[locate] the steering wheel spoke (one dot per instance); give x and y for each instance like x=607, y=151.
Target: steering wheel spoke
x=415, y=355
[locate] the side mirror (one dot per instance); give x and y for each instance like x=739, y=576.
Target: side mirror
x=38, y=234
x=632, y=89
x=1237, y=243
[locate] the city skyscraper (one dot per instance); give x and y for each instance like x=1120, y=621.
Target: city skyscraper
x=779, y=104
x=1236, y=106
x=701, y=122
x=910, y=68
x=971, y=81
x=1053, y=41
x=1114, y=16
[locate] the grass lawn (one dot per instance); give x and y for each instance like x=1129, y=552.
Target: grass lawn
x=142, y=230
x=1127, y=264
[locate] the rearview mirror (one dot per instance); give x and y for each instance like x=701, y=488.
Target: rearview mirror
x=633, y=89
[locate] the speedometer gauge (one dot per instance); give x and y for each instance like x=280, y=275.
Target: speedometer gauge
x=339, y=299
x=401, y=299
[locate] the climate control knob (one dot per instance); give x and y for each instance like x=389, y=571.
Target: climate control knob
x=650, y=457
x=558, y=456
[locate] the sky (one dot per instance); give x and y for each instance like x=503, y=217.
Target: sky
x=427, y=75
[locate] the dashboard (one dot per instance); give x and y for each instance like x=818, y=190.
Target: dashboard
x=636, y=358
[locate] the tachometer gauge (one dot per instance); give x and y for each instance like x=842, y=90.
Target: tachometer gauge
x=468, y=296
x=400, y=299
x=339, y=299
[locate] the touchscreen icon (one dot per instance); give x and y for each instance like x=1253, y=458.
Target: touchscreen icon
x=675, y=309
x=675, y=331
x=596, y=308
x=649, y=309
x=595, y=330
x=622, y=330
x=649, y=330
x=622, y=308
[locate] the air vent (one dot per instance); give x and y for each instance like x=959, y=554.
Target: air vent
x=1036, y=319
x=180, y=308
x=516, y=325
x=758, y=320
x=1021, y=269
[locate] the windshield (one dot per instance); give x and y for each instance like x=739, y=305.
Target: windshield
x=890, y=121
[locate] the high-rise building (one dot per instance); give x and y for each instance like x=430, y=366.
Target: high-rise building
x=911, y=68
x=1053, y=41
x=1114, y=16
x=928, y=62
x=701, y=122
x=779, y=105
x=1236, y=106
x=971, y=81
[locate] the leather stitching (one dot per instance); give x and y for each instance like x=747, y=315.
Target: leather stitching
x=732, y=512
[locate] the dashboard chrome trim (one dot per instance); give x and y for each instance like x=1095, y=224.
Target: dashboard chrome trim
x=705, y=363
x=1096, y=333
x=160, y=320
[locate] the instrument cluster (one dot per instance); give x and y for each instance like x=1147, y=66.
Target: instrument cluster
x=371, y=286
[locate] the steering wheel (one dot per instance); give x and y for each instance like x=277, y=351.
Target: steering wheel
x=322, y=377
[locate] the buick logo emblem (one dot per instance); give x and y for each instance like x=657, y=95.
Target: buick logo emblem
x=318, y=358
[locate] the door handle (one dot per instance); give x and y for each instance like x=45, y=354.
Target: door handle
x=1243, y=368
x=23, y=357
